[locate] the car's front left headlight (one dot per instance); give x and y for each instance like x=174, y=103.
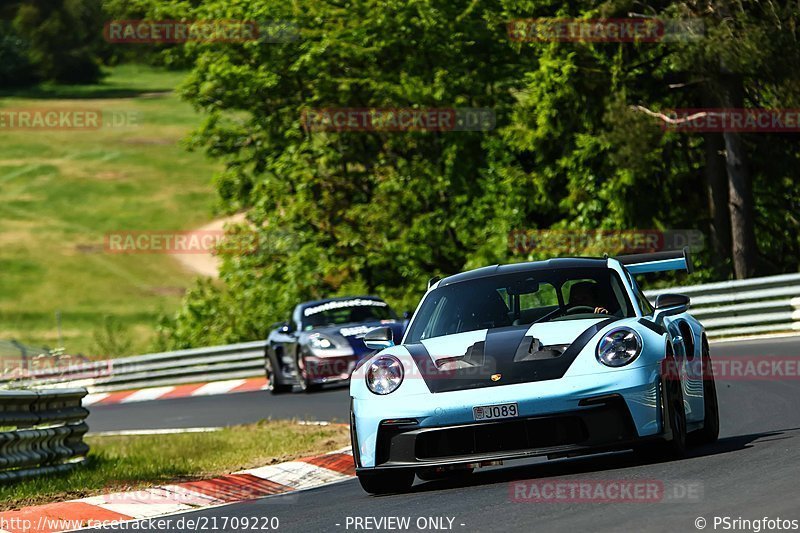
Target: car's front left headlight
x=619, y=347
x=384, y=374
x=320, y=342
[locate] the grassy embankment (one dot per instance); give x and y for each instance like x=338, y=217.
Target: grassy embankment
x=62, y=191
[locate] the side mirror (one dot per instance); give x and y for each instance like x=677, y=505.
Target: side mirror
x=286, y=328
x=379, y=338
x=670, y=304
x=408, y=314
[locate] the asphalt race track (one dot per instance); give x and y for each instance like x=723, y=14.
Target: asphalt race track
x=223, y=410
x=751, y=473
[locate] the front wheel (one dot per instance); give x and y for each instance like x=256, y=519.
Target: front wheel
x=274, y=386
x=674, y=417
x=387, y=482
x=303, y=379
x=675, y=412
x=710, y=431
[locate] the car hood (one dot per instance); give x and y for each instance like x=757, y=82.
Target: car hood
x=548, y=333
x=503, y=356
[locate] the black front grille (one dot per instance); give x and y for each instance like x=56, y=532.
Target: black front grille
x=599, y=422
x=509, y=436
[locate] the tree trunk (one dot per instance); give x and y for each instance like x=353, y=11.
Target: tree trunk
x=740, y=198
x=717, y=194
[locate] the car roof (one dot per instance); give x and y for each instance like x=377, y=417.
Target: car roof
x=496, y=270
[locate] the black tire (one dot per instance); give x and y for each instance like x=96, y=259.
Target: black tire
x=710, y=432
x=302, y=376
x=431, y=474
x=274, y=386
x=387, y=482
x=676, y=412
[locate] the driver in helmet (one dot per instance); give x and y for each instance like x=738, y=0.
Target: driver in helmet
x=584, y=294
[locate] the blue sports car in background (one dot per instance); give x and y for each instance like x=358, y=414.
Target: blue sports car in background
x=552, y=358
x=323, y=340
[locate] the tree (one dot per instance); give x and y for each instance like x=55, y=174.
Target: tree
x=61, y=37
x=744, y=59
x=381, y=212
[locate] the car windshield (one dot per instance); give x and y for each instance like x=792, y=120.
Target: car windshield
x=337, y=312
x=519, y=299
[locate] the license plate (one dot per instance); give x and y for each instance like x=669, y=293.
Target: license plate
x=493, y=412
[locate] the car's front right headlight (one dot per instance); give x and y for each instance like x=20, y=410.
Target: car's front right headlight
x=320, y=342
x=384, y=374
x=619, y=347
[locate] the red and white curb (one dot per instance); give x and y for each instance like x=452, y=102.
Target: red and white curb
x=177, y=391
x=246, y=485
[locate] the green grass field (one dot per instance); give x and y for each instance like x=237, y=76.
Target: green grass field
x=121, y=463
x=61, y=191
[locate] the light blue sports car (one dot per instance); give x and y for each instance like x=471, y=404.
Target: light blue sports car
x=552, y=358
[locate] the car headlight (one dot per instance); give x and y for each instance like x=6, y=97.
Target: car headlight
x=320, y=342
x=384, y=374
x=619, y=347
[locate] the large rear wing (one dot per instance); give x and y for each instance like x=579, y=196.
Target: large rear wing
x=657, y=262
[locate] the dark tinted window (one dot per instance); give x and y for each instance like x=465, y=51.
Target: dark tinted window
x=337, y=312
x=519, y=299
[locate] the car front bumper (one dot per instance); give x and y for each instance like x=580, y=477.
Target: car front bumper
x=322, y=370
x=605, y=424
x=571, y=415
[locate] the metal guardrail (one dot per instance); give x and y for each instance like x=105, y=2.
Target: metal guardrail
x=744, y=307
x=41, y=432
x=215, y=363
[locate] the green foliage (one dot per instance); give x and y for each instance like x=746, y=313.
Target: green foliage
x=367, y=212
x=62, y=38
x=381, y=212
x=112, y=339
x=167, y=55
x=15, y=68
